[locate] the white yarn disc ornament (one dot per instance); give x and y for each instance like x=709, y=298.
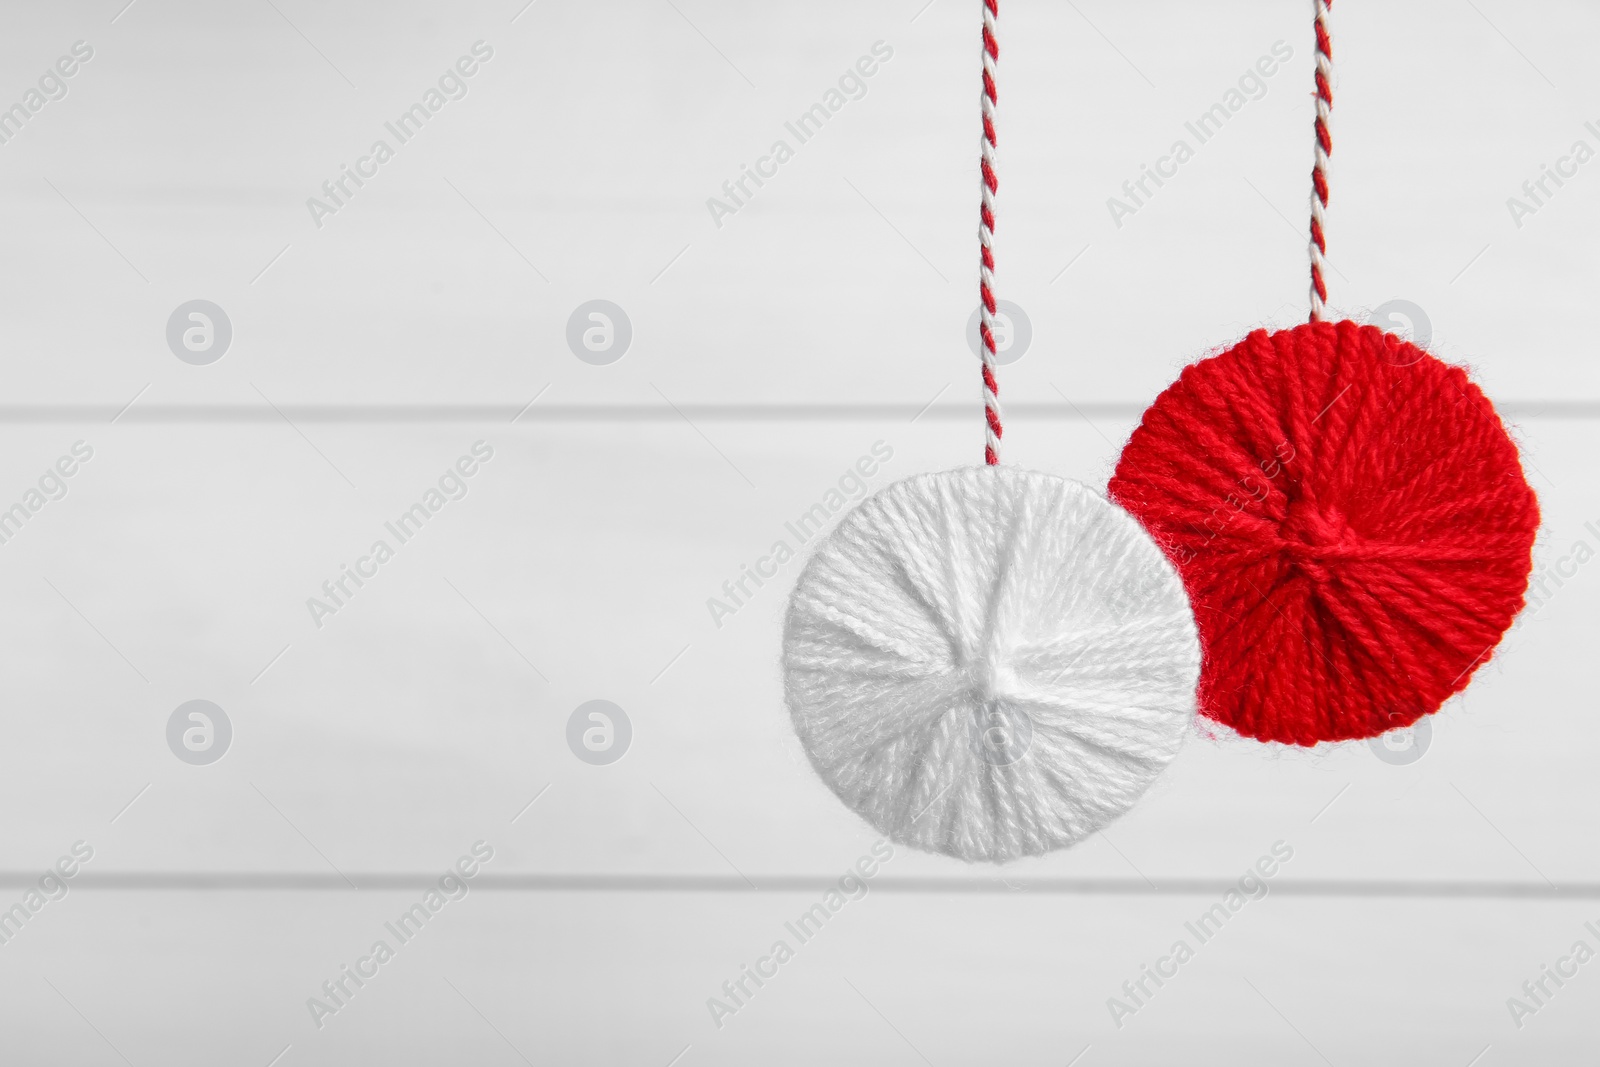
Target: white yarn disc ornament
x=990, y=662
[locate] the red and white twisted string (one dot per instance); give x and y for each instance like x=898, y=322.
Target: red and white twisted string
x=986, y=309
x=1319, y=170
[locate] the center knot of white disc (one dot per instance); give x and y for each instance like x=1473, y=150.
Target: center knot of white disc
x=990, y=677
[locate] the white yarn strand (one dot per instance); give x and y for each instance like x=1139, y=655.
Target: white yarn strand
x=989, y=662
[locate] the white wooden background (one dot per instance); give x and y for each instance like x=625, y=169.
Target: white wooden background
x=768, y=354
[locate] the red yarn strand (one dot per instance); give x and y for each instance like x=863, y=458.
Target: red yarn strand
x=989, y=186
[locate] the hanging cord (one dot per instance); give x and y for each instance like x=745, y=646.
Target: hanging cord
x=1319, y=169
x=986, y=309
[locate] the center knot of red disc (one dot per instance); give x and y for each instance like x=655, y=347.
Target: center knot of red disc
x=1313, y=535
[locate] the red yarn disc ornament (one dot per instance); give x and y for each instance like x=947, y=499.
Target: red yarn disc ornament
x=1347, y=513
x=1351, y=522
